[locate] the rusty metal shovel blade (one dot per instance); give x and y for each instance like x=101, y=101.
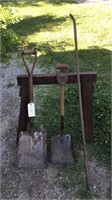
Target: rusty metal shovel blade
x=62, y=150
x=32, y=150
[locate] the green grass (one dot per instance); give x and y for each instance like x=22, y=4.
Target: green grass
x=47, y=23
x=47, y=26
x=74, y=181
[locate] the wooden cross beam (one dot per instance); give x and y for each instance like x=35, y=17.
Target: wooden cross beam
x=43, y=79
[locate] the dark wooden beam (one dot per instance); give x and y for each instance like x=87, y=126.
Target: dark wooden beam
x=41, y=79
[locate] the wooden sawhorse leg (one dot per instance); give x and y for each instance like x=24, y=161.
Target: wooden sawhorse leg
x=23, y=115
x=87, y=101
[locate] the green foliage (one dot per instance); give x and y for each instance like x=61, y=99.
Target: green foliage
x=9, y=39
x=8, y=16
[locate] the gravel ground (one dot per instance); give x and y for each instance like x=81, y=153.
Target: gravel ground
x=32, y=184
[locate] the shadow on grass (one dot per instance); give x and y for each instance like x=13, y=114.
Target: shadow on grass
x=93, y=59
x=35, y=2
x=31, y=25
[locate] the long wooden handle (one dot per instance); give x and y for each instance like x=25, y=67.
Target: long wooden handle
x=62, y=100
x=62, y=110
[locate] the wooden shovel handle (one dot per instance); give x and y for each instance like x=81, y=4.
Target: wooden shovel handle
x=62, y=100
x=62, y=110
x=62, y=78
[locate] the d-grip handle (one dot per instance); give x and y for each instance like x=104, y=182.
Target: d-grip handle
x=62, y=66
x=28, y=53
x=62, y=73
x=30, y=70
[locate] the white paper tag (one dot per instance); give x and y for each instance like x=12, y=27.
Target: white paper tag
x=31, y=110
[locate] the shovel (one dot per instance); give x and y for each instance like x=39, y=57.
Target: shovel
x=32, y=144
x=62, y=144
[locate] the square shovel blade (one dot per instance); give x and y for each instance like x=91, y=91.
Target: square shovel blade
x=32, y=150
x=62, y=149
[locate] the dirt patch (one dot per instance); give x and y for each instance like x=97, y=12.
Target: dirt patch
x=35, y=184
x=99, y=179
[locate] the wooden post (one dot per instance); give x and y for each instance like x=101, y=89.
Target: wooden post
x=23, y=115
x=87, y=101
